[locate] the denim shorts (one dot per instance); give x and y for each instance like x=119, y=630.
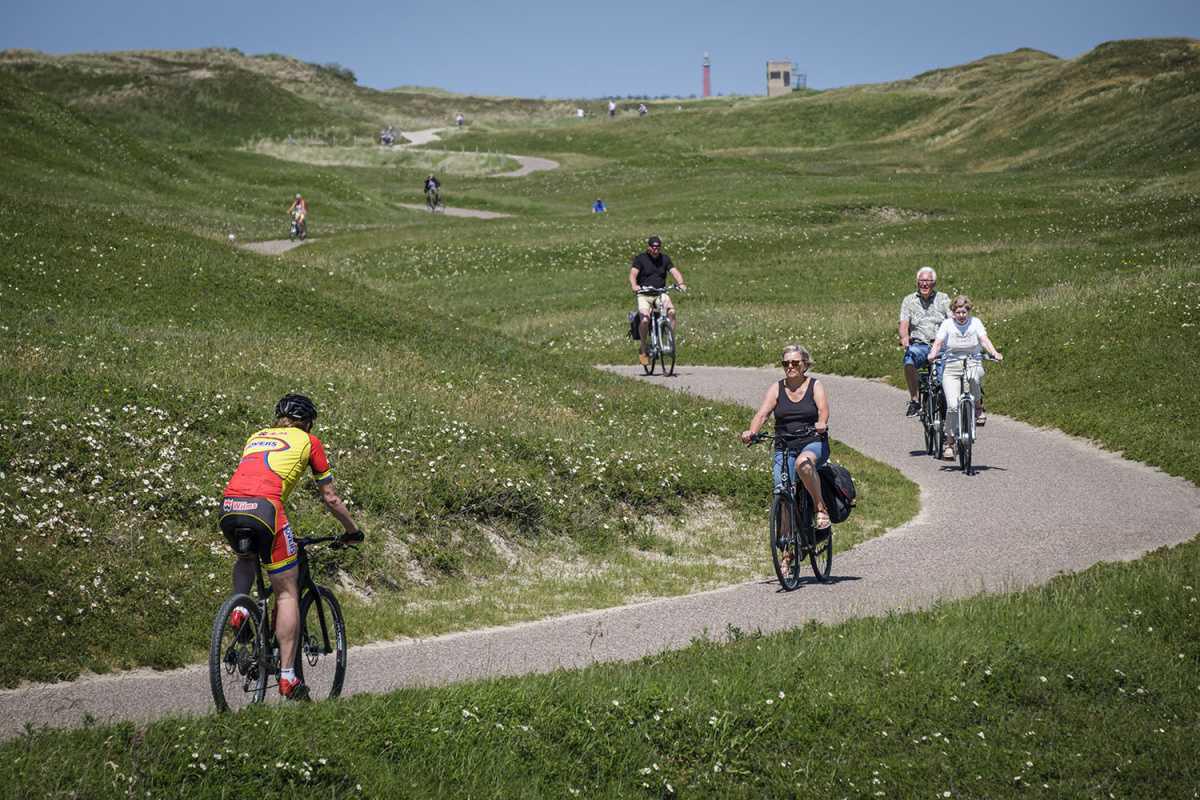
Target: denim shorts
x=917, y=354
x=820, y=449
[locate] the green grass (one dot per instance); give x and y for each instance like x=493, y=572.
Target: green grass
x=452, y=360
x=1085, y=687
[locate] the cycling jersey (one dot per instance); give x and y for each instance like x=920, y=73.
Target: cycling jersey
x=274, y=460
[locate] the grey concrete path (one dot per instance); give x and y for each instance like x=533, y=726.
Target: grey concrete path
x=273, y=247
x=451, y=211
x=529, y=164
x=1042, y=504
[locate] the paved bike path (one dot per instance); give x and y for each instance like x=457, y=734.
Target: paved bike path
x=1042, y=504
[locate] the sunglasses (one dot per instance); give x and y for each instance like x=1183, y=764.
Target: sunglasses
x=793, y=364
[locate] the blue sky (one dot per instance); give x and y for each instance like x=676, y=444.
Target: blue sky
x=562, y=48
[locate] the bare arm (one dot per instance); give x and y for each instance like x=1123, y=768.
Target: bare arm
x=760, y=416
x=678, y=276
x=336, y=507
x=633, y=276
x=987, y=345
x=822, y=406
x=904, y=333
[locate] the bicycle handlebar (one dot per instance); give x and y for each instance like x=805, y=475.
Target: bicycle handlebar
x=655, y=290
x=947, y=357
x=764, y=436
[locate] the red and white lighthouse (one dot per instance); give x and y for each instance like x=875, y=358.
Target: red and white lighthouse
x=707, y=77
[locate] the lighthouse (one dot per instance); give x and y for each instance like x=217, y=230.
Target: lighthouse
x=707, y=77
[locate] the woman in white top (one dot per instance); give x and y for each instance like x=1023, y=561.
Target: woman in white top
x=961, y=335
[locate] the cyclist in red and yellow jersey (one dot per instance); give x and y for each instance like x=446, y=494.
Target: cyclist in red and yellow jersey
x=273, y=462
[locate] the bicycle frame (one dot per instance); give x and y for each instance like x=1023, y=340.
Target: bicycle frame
x=306, y=585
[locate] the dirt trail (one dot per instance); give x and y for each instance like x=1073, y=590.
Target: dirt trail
x=1043, y=503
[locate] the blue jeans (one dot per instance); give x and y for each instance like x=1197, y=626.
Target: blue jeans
x=819, y=449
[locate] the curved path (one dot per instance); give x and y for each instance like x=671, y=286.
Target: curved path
x=451, y=211
x=529, y=164
x=272, y=247
x=1101, y=508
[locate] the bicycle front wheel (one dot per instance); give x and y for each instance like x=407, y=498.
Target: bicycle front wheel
x=321, y=649
x=667, y=346
x=927, y=421
x=237, y=668
x=785, y=547
x=966, y=435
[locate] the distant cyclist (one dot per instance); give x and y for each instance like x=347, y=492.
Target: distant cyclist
x=299, y=210
x=433, y=191
x=650, y=269
x=921, y=313
x=273, y=462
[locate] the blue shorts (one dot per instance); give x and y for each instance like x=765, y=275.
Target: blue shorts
x=819, y=449
x=917, y=354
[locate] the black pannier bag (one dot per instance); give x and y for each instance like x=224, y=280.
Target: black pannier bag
x=837, y=490
x=635, y=331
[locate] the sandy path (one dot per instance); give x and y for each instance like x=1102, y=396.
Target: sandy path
x=1020, y=534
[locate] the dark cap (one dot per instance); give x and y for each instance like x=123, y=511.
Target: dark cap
x=654, y=240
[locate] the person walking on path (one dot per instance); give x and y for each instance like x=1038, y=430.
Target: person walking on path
x=921, y=314
x=801, y=411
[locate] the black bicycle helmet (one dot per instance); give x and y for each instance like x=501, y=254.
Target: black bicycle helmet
x=654, y=240
x=297, y=407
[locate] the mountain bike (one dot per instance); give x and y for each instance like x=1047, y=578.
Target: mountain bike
x=433, y=201
x=243, y=658
x=932, y=413
x=661, y=347
x=966, y=432
x=793, y=531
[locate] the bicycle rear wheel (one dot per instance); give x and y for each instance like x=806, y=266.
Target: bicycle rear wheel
x=820, y=548
x=321, y=649
x=667, y=348
x=237, y=669
x=785, y=547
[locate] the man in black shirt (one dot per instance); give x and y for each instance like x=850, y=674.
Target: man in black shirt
x=650, y=269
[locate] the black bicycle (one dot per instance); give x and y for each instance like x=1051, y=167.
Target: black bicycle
x=661, y=347
x=793, y=532
x=433, y=201
x=243, y=656
x=933, y=409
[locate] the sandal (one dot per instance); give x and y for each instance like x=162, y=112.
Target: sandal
x=823, y=521
x=948, y=451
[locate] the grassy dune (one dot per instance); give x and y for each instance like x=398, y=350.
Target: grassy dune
x=500, y=477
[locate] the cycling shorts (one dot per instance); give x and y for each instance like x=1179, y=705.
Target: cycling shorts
x=272, y=535
x=646, y=303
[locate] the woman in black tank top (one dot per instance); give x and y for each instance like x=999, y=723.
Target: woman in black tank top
x=801, y=412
